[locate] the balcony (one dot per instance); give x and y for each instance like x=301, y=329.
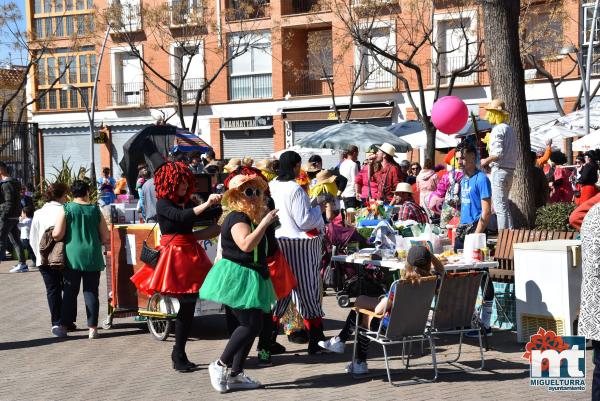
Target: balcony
x=189, y=90
x=245, y=10
x=378, y=79
x=125, y=18
x=305, y=84
x=255, y=86
x=290, y=7
x=181, y=14
x=127, y=94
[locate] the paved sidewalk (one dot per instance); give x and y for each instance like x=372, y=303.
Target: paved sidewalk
x=127, y=364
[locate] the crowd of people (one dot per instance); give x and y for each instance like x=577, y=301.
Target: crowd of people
x=275, y=214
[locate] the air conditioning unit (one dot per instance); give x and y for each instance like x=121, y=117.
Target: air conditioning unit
x=530, y=74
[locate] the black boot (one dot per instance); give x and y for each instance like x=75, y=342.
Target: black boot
x=181, y=363
x=315, y=334
x=276, y=348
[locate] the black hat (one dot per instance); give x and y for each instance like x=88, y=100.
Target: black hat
x=418, y=256
x=581, y=157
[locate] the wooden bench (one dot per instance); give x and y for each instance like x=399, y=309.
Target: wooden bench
x=504, y=249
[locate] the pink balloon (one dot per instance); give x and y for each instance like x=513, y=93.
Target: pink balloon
x=449, y=114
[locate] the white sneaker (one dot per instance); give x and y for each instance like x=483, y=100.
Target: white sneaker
x=358, y=368
x=241, y=382
x=20, y=268
x=58, y=331
x=218, y=376
x=334, y=344
x=93, y=334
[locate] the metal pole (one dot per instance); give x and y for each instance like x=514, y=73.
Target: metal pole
x=93, y=108
x=588, y=69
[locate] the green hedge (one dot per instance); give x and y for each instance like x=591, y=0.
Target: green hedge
x=554, y=217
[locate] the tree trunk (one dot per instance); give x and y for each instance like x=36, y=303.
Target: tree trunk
x=501, y=28
x=430, y=130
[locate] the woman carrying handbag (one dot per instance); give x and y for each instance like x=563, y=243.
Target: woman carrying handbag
x=182, y=263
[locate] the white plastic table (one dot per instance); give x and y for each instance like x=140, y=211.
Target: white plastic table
x=393, y=264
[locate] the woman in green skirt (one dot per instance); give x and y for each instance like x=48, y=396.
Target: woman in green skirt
x=241, y=279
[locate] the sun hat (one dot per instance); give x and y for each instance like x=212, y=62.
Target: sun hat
x=241, y=179
x=387, y=149
x=404, y=187
x=232, y=165
x=325, y=176
x=418, y=256
x=265, y=165
x=497, y=105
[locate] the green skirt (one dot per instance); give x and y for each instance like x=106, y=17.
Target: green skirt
x=238, y=287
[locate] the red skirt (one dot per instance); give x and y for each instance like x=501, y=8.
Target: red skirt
x=181, y=268
x=586, y=192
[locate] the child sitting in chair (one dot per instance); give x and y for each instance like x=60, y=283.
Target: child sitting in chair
x=419, y=264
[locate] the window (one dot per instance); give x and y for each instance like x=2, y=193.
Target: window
x=52, y=99
x=250, y=73
x=92, y=67
x=48, y=24
x=39, y=27
x=37, y=6
x=81, y=25
x=374, y=72
x=41, y=72
x=455, y=39
x=190, y=58
x=80, y=4
x=68, y=5
x=74, y=98
x=60, y=32
x=72, y=60
x=62, y=70
x=129, y=15
x=51, y=70
x=47, y=6
x=64, y=99
x=320, y=54
x=128, y=79
x=58, y=6
x=42, y=103
x=70, y=27
x=83, y=69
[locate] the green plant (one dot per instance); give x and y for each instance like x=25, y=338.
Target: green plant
x=65, y=175
x=555, y=217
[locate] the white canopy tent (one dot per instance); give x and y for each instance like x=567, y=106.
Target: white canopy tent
x=588, y=142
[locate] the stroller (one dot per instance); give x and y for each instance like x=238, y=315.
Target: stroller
x=348, y=280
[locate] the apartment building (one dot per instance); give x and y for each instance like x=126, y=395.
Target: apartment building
x=276, y=92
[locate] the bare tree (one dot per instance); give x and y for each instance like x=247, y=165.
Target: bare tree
x=180, y=31
x=320, y=71
x=31, y=49
x=423, y=58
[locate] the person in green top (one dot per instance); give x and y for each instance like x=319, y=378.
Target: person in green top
x=83, y=229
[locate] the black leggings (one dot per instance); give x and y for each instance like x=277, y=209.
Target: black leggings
x=362, y=347
x=184, y=320
x=239, y=345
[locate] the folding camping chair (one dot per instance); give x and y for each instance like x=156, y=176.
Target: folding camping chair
x=454, y=311
x=407, y=323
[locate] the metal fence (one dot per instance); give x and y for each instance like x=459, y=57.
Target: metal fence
x=303, y=6
x=19, y=150
x=127, y=94
x=189, y=89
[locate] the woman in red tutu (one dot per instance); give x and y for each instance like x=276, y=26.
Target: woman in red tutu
x=183, y=264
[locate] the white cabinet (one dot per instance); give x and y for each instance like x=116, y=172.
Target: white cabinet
x=547, y=286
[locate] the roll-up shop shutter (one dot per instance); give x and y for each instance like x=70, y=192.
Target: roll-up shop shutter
x=257, y=144
x=120, y=135
x=72, y=144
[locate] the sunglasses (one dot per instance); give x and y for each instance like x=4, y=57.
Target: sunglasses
x=250, y=192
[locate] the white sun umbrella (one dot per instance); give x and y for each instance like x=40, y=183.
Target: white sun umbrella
x=331, y=157
x=588, y=142
x=418, y=140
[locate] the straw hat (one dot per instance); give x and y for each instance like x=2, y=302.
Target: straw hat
x=325, y=177
x=497, y=105
x=241, y=179
x=232, y=165
x=387, y=149
x=403, y=187
x=265, y=165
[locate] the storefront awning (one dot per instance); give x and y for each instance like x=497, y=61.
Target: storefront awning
x=357, y=114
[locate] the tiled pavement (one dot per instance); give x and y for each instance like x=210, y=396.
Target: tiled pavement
x=127, y=364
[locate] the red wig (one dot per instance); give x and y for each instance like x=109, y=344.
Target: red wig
x=167, y=178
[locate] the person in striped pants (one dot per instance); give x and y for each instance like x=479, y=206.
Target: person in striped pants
x=299, y=238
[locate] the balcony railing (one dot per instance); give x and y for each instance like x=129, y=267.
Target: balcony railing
x=256, y=86
x=127, y=94
x=449, y=64
x=379, y=79
x=189, y=89
x=243, y=10
x=303, y=84
x=125, y=18
x=289, y=7
x=182, y=13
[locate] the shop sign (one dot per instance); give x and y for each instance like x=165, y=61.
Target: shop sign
x=247, y=122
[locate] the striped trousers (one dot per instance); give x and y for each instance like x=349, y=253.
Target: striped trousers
x=304, y=257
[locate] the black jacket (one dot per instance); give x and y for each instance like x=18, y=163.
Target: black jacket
x=10, y=199
x=589, y=174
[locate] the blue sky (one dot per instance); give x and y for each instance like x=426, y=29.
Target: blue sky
x=5, y=51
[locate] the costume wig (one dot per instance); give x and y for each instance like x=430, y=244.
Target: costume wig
x=496, y=117
x=235, y=200
x=167, y=178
